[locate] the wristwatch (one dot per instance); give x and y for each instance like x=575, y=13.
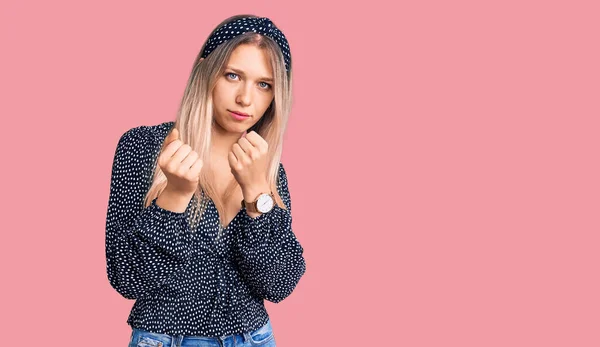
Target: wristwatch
x=263, y=204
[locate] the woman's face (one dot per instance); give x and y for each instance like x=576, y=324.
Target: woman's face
x=246, y=86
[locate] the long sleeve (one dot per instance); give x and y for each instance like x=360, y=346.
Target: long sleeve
x=144, y=245
x=270, y=257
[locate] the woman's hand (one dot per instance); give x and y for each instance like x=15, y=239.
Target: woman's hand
x=248, y=162
x=180, y=164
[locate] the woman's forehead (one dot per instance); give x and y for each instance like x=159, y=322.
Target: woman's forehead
x=252, y=61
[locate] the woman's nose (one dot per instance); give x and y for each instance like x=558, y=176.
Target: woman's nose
x=243, y=96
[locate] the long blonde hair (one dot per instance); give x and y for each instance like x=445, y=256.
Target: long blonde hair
x=195, y=119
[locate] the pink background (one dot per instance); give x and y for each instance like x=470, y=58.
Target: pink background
x=443, y=161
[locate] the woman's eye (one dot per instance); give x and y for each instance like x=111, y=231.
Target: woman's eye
x=265, y=85
x=231, y=74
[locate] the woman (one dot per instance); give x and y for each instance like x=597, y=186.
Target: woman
x=198, y=226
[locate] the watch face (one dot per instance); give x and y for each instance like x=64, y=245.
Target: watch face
x=265, y=203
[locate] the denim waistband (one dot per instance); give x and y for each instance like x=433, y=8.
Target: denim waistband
x=140, y=337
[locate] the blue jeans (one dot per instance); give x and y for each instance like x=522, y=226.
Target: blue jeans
x=262, y=336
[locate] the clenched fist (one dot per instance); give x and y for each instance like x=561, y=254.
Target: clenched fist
x=248, y=161
x=180, y=164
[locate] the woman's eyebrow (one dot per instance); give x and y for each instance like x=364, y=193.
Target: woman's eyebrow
x=240, y=72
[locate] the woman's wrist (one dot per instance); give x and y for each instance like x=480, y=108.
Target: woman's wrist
x=252, y=192
x=173, y=201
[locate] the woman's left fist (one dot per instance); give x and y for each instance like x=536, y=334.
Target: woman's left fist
x=248, y=160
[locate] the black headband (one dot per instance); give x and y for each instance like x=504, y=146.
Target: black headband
x=259, y=25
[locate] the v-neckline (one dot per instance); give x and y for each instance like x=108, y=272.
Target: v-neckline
x=223, y=227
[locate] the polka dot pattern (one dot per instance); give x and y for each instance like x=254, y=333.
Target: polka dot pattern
x=189, y=282
x=261, y=25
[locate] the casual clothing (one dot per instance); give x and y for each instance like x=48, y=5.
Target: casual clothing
x=262, y=336
x=193, y=283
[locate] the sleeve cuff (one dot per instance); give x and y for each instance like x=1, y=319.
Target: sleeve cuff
x=267, y=226
x=161, y=213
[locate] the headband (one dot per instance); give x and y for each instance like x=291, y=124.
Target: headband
x=259, y=25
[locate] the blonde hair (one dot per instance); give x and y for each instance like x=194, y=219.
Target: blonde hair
x=195, y=120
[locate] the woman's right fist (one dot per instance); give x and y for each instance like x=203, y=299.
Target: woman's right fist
x=180, y=164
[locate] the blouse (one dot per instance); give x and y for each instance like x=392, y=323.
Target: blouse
x=193, y=283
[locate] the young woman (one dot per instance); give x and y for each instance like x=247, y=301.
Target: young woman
x=198, y=226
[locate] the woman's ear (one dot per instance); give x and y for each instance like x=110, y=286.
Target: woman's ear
x=201, y=59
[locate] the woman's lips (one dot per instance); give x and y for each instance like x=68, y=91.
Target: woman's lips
x=238, y=116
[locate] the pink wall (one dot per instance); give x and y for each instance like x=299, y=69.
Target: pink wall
x=442, y=159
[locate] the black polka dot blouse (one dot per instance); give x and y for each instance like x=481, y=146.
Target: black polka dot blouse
x=193, y=283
